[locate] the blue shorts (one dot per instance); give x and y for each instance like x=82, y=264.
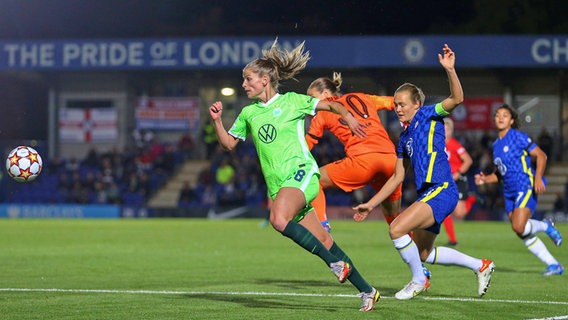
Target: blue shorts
x=442, y=198
x=520, y=199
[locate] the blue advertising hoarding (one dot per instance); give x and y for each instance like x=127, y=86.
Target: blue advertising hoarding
x=539, y=51
x=21, y=210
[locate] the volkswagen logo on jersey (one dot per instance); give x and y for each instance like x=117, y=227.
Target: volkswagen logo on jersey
x=409, y=149
x=267, y=133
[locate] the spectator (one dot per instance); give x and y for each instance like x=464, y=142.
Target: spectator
x=144, y=185
x=55, y=165
x=113, y=193
x=209, y=197
x=210, y=138
x=72, y=164
x=229, y=195
x=186, y=146
x=92, y=159
x=225, y=172
x=99, y=195
x=205, y=176
x=142, y=138
x=187, y=195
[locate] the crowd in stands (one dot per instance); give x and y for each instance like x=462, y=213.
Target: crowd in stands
x=130, y=177
x=231, y=179
x=127, y=177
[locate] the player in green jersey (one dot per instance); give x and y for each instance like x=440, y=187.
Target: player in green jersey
x=275, y=122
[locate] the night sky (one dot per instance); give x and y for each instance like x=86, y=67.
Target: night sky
x=53, y=19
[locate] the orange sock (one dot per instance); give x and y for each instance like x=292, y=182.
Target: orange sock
x=320, y=206
x=469, y=202
x=389, y=219
x=449, y=225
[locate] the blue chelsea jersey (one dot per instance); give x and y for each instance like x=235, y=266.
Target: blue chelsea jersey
x=512, y=159
x=424, y=143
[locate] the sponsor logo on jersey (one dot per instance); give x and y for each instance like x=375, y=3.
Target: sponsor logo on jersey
x=267, y=133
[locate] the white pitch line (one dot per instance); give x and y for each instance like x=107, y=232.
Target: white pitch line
x=289, y=294
x=551, y=318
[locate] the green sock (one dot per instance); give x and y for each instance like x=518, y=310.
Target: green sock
x=355, y=277
x=306, y=240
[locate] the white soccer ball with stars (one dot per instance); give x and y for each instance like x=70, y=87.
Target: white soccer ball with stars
x=24, y=164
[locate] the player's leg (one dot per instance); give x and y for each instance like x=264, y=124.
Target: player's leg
x=449, y=226
x=319, y=203
x=368, y=294
x=311, y=223
x=391, y=209
x=483, y=268
x=436, y=204
x=345, y=174
x=418, y=215
x=288, y=208
x=526, y=229
x=462, y=209
x=459, y=211
x=384, y=167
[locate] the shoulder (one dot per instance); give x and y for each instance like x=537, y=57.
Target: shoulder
x=425, y=112
x=517, y=134
x=298, y=97
x=452, y=142
x=248, y=111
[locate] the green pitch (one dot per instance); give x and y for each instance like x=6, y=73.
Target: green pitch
x=232, y=269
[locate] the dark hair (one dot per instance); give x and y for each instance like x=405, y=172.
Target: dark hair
x=514, y=115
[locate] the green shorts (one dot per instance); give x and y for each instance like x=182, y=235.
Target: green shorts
x=308, y=181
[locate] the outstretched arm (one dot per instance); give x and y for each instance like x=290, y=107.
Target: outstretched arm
x=467, y=161
x=448, y=61
x=356, y=127
x=363, y=210
x=227, y=141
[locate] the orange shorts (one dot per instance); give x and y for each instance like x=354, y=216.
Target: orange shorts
x=352, y=173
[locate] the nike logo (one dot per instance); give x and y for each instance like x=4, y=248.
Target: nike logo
x=211, y=214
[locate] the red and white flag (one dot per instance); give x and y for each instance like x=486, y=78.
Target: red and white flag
x=87, y=124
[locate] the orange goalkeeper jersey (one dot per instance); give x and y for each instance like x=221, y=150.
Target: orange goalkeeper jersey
x=365, y=108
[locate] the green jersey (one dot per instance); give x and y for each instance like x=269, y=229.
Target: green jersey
x=278, y=132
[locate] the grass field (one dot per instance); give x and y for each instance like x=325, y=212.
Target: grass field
x=232, y=269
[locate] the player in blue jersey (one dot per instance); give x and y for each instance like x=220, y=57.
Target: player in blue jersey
x=275, y=122
x=422, y=144
x=512, y=152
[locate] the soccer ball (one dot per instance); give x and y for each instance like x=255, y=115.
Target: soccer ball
x=24, y=164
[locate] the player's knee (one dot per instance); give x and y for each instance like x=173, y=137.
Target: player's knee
x=395, y=231
x=519, y=230
x=278, y=222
